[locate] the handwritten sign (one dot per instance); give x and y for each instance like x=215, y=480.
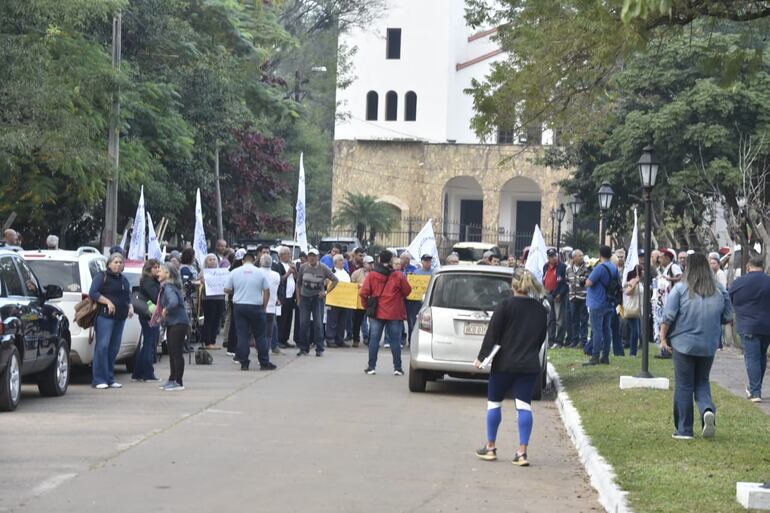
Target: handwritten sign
x=215, y=280
x=419, y=283
x=345, y=295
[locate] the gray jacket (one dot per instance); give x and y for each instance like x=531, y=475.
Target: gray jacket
x=576, y=279
x=696, y=322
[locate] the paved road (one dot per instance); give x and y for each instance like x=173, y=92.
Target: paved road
x=315, y=436
x=729, y=370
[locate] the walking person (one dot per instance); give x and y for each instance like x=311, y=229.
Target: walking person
x=149, y=290
x=751, y=299
x=274, y=280
x=213, y=307
x=251, y=292
x=311, y=282
x=336, y=317
x=518, y=326
x=388, y=289
x=286, y=292
x=111, y=289
x=598, y=300
x=557, y=290
x=171, y=312
x=696, y=308
x=360, y=326
x=577, y=274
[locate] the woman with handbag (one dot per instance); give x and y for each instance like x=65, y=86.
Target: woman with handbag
x=632, y=303
x=172, y=313
x=112, y=291
x=144, y=301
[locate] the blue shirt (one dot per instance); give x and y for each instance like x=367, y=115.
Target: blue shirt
x=328, y=261
x=422, y=272
x=172, y=301
x=247, y=283
x=751, y=299
x=696, y=322
x=596, y=295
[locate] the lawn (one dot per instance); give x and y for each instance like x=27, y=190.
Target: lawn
x=632, y=430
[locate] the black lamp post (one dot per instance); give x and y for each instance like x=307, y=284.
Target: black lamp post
x=553, y=221
x=559, y=217
x=605, y=193
x=648, y=172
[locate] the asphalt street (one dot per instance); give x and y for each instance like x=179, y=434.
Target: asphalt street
x=317, y=435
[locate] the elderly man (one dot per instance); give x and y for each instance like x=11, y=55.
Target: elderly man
x=10, y=237
x=577, y=274
x=311, y=282
x=453, y=259
x=554, y=280
x=222, y=252
x=52, y=242
x=682, y=259
x=288, y=273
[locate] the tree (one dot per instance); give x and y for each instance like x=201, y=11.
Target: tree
x=361, y=212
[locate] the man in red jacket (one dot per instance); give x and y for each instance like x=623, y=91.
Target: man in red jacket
x=389, y=288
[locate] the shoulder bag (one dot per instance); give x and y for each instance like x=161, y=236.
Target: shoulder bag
x=374, y=301
x=87, y=310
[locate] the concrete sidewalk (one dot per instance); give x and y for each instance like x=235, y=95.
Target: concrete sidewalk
x=316, y=436
x=729, y=370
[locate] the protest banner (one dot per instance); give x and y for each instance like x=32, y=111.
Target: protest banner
x=215, y=281
x=419, y=283
x=345, y=295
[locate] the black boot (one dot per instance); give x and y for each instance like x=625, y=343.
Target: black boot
x=592, y=361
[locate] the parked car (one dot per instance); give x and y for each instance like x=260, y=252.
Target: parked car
x=348, y=244
x=452, y=323
x=34, y=333
x=472, y=252
x=73, y=271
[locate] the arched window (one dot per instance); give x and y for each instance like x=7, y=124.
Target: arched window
x=410, y=112
x=391, y=106
x=372, y=98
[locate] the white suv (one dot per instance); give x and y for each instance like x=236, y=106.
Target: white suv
x=73, y=271
x=452, y=323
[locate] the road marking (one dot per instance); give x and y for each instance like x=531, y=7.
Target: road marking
x=50, y=484
x=226, y=412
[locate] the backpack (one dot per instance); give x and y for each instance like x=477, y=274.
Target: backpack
x=614, y=289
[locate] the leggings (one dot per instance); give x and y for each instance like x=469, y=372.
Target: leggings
x=175, y=337
x=499, y=384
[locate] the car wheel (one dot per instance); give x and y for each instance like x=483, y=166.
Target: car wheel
x=10, y=382
x=54, y=381
x=417, y=380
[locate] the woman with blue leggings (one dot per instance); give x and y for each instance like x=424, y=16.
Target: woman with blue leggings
x=519, y=325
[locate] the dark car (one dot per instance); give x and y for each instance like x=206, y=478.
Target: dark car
x=34, y=335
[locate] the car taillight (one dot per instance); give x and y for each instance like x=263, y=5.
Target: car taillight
x=426, y=320
x=2, y=327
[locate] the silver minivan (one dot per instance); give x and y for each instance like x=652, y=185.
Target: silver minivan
x=454, y=318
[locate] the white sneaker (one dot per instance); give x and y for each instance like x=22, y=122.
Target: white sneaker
x=101, y=386
x=116, y=385
x=709, y=424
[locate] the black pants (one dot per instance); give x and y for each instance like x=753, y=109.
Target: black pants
x=213, y=311
x=358, y=320
x=284, y=321
x=175, y=338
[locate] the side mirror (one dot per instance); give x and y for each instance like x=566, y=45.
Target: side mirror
x=53, y=292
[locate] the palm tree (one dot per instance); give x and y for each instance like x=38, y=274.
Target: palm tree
x=362, y=211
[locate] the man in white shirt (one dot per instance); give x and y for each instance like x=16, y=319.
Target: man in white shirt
x=670, y=274
x=273, y=305
x=286, y=292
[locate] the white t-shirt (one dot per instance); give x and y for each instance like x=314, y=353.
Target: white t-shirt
x=274, y=279
x=291, y=285
x=341, y=275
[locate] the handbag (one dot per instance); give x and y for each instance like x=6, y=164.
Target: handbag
x=86, y=311
x=139, y=303
x=203, y=357
x=373, y=302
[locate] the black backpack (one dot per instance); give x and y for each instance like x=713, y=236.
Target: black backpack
x=614, y=289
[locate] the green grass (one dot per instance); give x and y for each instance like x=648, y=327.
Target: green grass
x=632, y=430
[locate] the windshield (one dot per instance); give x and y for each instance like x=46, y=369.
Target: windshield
x=470, y=291
x=64, y=274
x=469, y=254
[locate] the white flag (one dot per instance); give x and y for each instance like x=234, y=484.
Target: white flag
x=137, y=249
x=300, y=232
x=632, y=258
x=153, y=247
x=199, y=240
x=425, y=244
x=537, y=256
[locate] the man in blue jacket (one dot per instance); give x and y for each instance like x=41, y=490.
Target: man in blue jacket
x=750, y=295
x=555, y=282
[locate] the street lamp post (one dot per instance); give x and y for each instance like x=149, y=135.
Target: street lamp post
x=559, y=217
x=648, y=172
x=575, y=207
x=605, y=194
x=553, y=222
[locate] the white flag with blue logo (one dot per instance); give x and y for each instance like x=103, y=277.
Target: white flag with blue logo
x=137, y=249
x=153, y=247
x=200, y=245
x=632, y=258
x=300, y=232
x=537, y=256
x=425, y=244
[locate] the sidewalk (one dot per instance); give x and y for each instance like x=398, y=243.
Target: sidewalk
x=730, y=372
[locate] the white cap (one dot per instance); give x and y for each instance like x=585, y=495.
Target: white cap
x=368, y=259
x=312, y=251
x=240, y=254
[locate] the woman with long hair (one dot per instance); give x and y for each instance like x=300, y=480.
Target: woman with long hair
x=519, y=326
x=692, y=327
x=149, y=290
x=171, y=312
x=213, y=306
x=112, y=291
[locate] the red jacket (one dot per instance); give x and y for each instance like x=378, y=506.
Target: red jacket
x=392, y=288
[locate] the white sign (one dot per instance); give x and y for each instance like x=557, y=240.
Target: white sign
x=215, y=280
x=425, y=244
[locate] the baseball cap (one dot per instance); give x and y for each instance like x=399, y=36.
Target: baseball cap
x=552, y=252
x=240, y=254
x=368, y=259
x=312, y=251
x=426, y=257
x=669, y=252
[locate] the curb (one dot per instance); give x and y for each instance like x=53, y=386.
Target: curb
x=611, y=497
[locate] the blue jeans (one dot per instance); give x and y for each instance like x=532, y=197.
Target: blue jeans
x=755, y=356
x=145, y=358
x=617, y=343
x=392, y=331
x=336, y=320
x=691, y=375
x=108, y=334
x=250, y=322
x=412, y=309
x=601, y=332
x=578, y=325
x=274, y=339
x=634, y=327
x=307, y=306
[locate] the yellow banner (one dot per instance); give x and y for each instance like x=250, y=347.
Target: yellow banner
x=419, y=283
x=345, y=295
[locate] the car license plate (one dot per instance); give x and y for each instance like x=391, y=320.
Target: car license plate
x=476, y=328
